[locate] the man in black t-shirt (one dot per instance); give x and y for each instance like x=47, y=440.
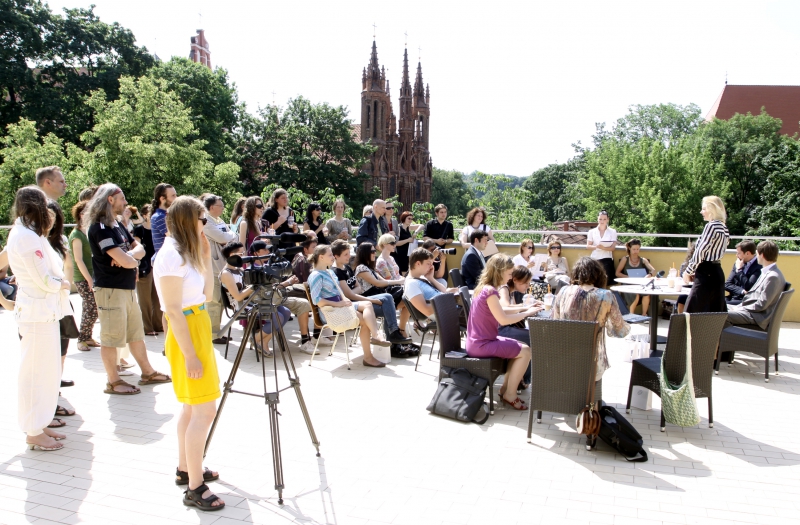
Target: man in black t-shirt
x=115, y=260
x=439, y=230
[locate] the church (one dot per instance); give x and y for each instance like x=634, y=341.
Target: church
x=401, y=165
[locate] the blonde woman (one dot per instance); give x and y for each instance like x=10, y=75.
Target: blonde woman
x=183, y=279
x=704, y=270
x=485, y=315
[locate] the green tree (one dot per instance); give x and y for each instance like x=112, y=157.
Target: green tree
x=666, y=123
x=450, y=188
x=507, y=206
x=780, y=213
x=211, y=100
x=554, y=190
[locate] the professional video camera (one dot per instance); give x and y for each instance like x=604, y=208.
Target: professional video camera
x=270, y=268
x=447, y=251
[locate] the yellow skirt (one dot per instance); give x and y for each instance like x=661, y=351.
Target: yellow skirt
x=194, y=391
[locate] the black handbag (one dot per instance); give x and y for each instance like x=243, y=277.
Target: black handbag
x=460, y=396
x=620, y=435
x=68, y=328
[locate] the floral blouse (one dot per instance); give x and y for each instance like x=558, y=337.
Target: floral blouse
x=389, y=270
x=595, y=304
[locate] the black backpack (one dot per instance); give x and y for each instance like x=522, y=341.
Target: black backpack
x=620, y=435
x=460, y=396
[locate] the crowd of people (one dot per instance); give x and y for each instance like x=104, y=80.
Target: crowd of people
x=172, y=264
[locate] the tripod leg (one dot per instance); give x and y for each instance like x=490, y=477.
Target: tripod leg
x=306, y=417
x=275, y=439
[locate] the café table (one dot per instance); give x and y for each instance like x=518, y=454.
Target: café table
x=653, y=287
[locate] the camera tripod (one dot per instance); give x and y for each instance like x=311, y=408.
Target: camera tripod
x=262, y=301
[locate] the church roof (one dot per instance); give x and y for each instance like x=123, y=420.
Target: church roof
x=355, y=131
x=781, y=102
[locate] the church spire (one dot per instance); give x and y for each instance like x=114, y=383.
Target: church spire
x=419, y=89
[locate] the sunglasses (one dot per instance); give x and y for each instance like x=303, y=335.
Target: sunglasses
x=390, y=208
x=373, y=251
x=393, y=243
x=530, y=247
x=259, y=206
x=204, y=220
x=556, y=248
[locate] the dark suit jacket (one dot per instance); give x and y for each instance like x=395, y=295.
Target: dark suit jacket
x=740, y=281
x=368, y=229
x=761, y=300
x=471, y=267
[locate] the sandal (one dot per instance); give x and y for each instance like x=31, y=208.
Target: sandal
x=93, y=343
x=194, y=497
x=110, y=388
x=150, y=379
x=61, y=423
x=34, y=446
x=61, y=411
x=518, y=404
x=83, y=346
x=183, y=476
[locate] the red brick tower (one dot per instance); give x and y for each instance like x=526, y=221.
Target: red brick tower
x=200, y=51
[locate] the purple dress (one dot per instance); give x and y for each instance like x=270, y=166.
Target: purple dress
x=482, y=338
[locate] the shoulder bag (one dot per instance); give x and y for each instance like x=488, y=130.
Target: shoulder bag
x=677, y=401
x=340, y=319
x=460, y=396
x=620, y=435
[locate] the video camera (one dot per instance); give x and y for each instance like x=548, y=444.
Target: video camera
x=271, y=268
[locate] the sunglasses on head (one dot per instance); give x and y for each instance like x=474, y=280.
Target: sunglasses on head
x=204, y=220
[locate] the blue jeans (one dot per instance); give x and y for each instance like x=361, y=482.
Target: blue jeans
x=386, y=310
x=9, y=290
x=524, y=337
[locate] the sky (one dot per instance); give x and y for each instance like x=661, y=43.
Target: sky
x=513, y=84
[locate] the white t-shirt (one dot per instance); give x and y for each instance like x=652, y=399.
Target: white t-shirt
x=169, y=263
x=519, y=260
x=468, y=229
x=595, y=238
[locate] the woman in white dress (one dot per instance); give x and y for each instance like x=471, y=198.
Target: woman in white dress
x=476, y=220
x=602, y=240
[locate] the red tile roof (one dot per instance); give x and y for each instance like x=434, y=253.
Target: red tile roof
x=355, y=131
x=781, y=102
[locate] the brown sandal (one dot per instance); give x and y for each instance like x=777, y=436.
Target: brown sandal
x=110, y=388
x=518, y=404
x=149, y=379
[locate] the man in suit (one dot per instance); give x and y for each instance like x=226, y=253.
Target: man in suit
x=759, y=303
x=473, y=262
x=372, y=227
x=744, y=274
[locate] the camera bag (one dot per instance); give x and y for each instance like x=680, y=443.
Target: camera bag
x=460, y=396
x=620, y=435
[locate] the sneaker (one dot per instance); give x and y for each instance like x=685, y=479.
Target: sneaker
x=307, y=347
x=326, y=341
x=398, y=338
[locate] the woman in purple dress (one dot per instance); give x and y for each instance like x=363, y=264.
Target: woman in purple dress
x=486, y=314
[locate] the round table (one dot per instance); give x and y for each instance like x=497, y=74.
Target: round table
x=656, y=290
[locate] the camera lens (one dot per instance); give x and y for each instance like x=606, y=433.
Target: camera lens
x=448, y=251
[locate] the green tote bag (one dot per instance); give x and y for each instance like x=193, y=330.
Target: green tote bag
x=677, y=400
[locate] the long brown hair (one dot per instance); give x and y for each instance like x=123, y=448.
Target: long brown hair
x=182, y=217
x=30, y=206
x=56, y=234
x=250, y=216
x=492, y=275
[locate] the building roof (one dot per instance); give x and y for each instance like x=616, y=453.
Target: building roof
x=781, y=102
x=355, y=131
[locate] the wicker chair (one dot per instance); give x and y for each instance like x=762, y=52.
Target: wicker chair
x=466, y=300
x=562, y=353
x=455, y=276
x=706, y=329
x=230, y=311
x=318, y=323
x=447, y=314
x=753, y=339
x=424, y=325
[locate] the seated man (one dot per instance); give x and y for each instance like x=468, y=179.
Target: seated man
x=473, y=262
x=420, y=285
x=300, y=265
x=382, y=303
x=759, y=303
x=744, y=274
x=298, y=306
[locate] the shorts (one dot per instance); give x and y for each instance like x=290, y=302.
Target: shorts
x=297, y=306
x=194, y=391
x=120, y=316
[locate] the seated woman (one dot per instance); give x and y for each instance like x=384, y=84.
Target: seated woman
x=325, y=291
x=632, y=260
x=231, y=280
x=374, y=281
x=557, y=274
x=476, y=220
x=439, y=263
x=587, y=300
x=525, y=257
x=511, y=297
x=482, y=328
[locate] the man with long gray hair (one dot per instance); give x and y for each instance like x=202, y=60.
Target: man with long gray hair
x=115, y=259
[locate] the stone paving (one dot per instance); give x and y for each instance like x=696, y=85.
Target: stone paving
x=386, y=460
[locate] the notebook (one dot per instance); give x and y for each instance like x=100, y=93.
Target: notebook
x=637, y=272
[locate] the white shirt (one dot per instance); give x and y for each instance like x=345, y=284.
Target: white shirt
x=519, y=260
x=169, y=263
x=595, y=238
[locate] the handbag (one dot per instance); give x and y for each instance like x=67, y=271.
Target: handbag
x=67, y=327
x=340, y=319
x=588, y=420
x=677, y=401
x=620, y=435
x=460, y=396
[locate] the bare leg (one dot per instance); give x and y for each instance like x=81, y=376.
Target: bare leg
x=646, y=305
x=366, y=346
x=193, y=442
x=370, y=320
x=302, y=320
x=633, y=305
x=183, y=424
x=514, y=374
x=404, y=317
x=139, y=353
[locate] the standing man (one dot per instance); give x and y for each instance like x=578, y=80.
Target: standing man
x=52, y=182
x=473, y=263
x=218, y=235
x=163, y=196
x=439, y=230
x=371, y=228
x=115, y=259
x=744, y=274
x=391, y=222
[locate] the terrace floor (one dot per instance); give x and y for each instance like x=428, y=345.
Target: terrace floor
x=385, y=459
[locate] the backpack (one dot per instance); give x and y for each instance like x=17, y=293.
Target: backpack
x=620, y=435
x=460, y=396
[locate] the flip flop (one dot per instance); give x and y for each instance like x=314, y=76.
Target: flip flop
x=61, y=411
x=61, y=423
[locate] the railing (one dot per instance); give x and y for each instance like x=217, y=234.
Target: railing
x=668, y=235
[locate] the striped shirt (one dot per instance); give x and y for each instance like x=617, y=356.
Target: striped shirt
x=158, y=225
x=323, y=284
x=711, y=245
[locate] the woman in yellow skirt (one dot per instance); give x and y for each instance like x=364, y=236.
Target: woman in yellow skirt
x=183, y=279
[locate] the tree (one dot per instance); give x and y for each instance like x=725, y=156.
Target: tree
x=780, y=213
x=666, y=123
x=49, y=63
x=507, y=206
x=554, y=190
x=450, y=188
x=211, y=100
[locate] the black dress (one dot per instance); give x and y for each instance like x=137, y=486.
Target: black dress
x=320, y=236
x=708, y=288
x=401, y=253
x=271, y=215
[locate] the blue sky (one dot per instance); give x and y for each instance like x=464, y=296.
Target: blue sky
x=513, y=84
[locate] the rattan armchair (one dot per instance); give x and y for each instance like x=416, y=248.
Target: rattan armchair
x=455, y=277
x=753, y=339
x=562, y=357
x=706, y=329
x=447, y=315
